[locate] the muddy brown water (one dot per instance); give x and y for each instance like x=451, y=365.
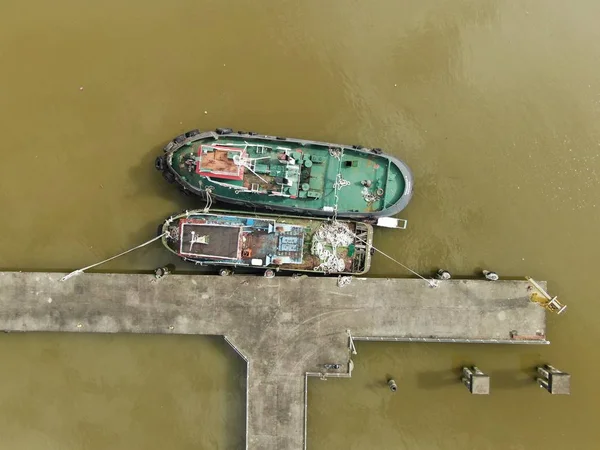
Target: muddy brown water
x=494, y=105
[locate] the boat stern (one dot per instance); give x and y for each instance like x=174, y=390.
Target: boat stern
x=363, y=248
x=398, y=169
x=169, y=229
x=163, y=163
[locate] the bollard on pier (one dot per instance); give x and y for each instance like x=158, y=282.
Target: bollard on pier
x=161, y=272
x=491, y=276
x=443, y=274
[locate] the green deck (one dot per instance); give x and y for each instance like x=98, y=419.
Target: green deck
x=312, y=176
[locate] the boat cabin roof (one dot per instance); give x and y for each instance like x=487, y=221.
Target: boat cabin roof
x=220, y=162
x=241, y=239
x=209, y=240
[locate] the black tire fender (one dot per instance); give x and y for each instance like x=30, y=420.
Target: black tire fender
x=224, y=130
x=159, y=163
x=168, y=176
x=192, y=133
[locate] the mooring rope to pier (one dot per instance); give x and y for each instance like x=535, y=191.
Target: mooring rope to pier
x=80, y=271
x=339, y=183
x=337, y=154
x=209, y=200
x=430, y=282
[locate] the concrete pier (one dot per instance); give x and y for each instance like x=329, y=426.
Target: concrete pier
x=286, y=329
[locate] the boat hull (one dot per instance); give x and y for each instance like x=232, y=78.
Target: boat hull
x=166, y=163
x=212, y=239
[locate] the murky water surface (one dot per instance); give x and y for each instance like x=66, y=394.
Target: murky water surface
x=494, y=105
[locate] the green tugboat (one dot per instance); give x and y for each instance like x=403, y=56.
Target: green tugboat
x=269, y=242
x=284, y=174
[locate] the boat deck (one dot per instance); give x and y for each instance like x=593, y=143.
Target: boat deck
x=318, y=193
x=284, y=328
x=286, y=242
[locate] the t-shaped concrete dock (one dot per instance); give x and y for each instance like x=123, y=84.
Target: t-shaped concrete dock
x=286, y=329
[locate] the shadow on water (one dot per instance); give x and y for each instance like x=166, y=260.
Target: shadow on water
x=380, y=383
x=234, y=433
x=439, y=379
x=145, y=379
x=150, y=181
x=501, y=379
x=512, y=379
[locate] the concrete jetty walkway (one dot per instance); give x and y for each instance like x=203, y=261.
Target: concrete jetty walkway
x=285, y=328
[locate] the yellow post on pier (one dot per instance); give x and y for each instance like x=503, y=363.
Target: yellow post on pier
x=544, y=299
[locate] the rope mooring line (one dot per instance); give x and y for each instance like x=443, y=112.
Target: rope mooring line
x=430, y=282
x=80, y=271
x=336, y=187
x=209, y=200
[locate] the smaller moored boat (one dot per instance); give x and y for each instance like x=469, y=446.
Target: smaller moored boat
x=265, y=241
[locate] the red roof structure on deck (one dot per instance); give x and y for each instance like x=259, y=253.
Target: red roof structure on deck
x=217, y=161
